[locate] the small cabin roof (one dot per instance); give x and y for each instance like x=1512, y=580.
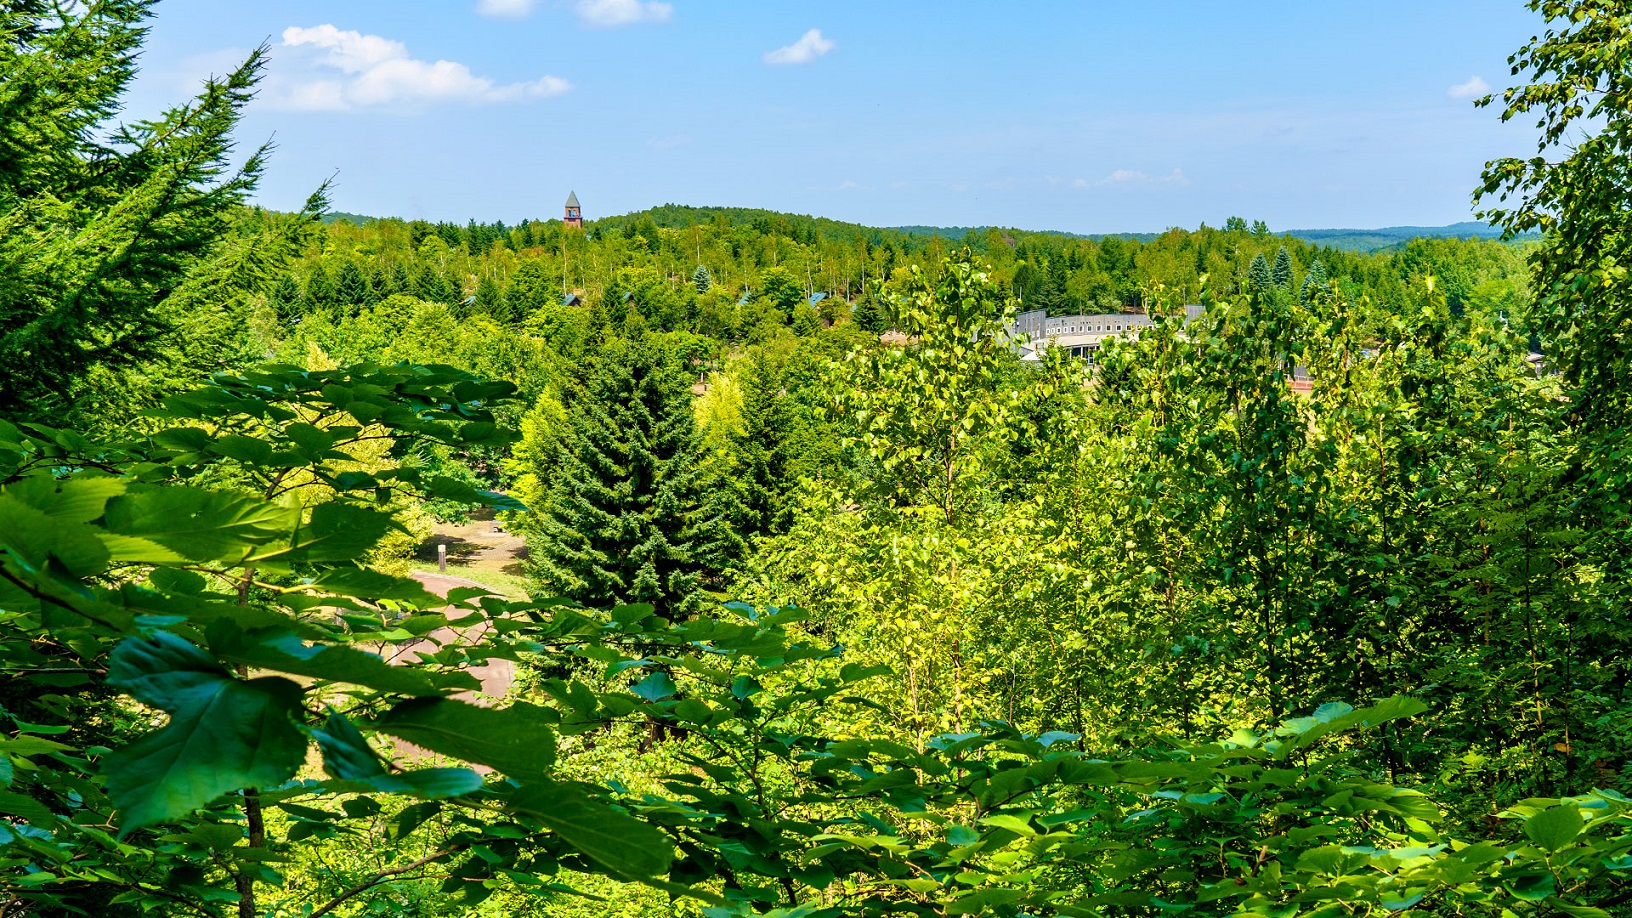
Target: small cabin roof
x=746, y=296
x=571, y=299
x=572, y=199
x=816, y=298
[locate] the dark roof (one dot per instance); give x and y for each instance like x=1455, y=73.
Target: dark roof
x=628, y=296
x=572, y=199
x=571, y=299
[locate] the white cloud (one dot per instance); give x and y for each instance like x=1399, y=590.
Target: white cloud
x=621, y=12
x=1133, y=177
x=1472, y=89
x=672, y=142
x=506, y=9
x=810, y=46
x=324, y=68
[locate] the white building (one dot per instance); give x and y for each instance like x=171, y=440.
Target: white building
x=1036, y=331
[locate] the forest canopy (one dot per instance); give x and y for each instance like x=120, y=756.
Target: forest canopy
x=1308, y=598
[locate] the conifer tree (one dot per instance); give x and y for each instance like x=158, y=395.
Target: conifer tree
x=352, y=288
x=490, y=299
x=379, y=281
x=320, y=289
x=433, y=287
x=1282, y=275
x=630, y=516
x=1313, y=282
x=1259, y=278
x=870, y=316
x=760, y=448
x=113, y=237
x=806, y=321
x=285, y=298
x=701, y=279
x=398, y=280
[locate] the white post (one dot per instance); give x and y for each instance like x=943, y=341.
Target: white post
x=442, y=557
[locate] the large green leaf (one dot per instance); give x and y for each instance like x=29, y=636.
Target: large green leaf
x=345, y=752
x=1554, y=828
x=622, y=844
x=335, y=532
x=198, y=524
x=516, y=740
x=224, y=734
x=367, y=584
x=34, y=538
x=282, y=650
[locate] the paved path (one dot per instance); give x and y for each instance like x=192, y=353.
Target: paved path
x=496, y=675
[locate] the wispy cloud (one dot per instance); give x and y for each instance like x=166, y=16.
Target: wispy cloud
x=1472, y=89
x=672, y=142
x=329, y=69
x=507, y=9
x=1133, y=177
x=810, y=46
x=608, y=13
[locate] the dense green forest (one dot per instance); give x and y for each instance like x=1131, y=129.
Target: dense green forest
x=1315, y=604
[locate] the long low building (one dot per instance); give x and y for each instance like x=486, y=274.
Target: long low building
x=1036, y=331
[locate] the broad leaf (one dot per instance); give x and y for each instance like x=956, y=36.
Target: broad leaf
x=1554, y=828
x=620, y=843
x=224, y=734
x=515, y=740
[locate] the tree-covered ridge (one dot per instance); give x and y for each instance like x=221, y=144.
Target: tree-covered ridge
x=753, y=259
x=1312, y=603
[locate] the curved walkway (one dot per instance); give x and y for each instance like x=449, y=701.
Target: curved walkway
x=496, y=675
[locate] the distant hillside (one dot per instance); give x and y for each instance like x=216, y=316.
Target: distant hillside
x=806, y=227
x=1349, y=240
x=1372, y=240
x=336, y=216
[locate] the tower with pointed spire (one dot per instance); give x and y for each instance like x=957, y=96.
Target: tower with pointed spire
x=575, y=215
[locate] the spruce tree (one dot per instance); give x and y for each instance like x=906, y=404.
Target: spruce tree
x=490, y=299
x=806, y=321
x=320, y=289
x=760, y=448
x=870, y=316
x=1282, y=275
x=1259, y=278
x=352, y=289
x=701, y=279
x=115, y=237
x=433, y=287
x=379, y=281
x=1313, y=282
x=285, y=298
x=398, y=280
x=631, y=517
x=1049, y=294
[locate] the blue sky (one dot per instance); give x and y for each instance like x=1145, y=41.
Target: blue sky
x=1074, y=115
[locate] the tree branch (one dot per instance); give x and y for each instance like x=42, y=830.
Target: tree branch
x=376, y=880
